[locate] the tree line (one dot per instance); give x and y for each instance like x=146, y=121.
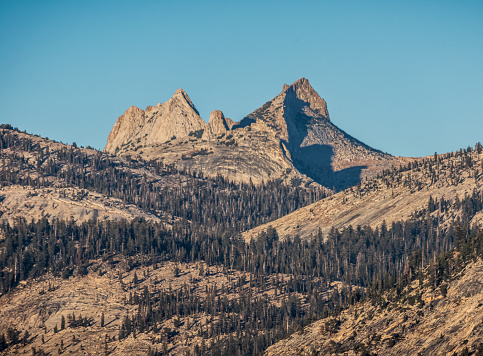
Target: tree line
x=212, y=204
x=375, y=259
x=213, y=212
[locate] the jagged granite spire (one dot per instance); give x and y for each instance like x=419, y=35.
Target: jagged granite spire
x=295, y=104
x=301, y=95
x=217, y=125
x=177, y=117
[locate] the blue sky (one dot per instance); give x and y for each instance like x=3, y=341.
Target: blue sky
x=403, y=77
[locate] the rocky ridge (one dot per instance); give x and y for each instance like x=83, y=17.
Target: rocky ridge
x=37, y=306
x=43, y=178
x=34, y=185
x=290, y=136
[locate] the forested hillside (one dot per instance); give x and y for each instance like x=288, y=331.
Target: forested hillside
x=208, y=203
x=435, y=310
x=395, y=194
x=188, y=283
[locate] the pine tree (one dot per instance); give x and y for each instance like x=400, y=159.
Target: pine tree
x=3, y=342
x=26, y=337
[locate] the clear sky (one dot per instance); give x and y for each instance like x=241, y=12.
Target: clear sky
x=405, y=77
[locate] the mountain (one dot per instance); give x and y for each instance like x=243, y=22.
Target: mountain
x=290, y=136
x=300, y=120
x=152, y=251
x=157, y=124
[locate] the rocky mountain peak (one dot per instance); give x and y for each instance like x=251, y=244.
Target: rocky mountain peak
x=290, y=111
x=176, y=118
x=180, y=97
x=289, y=134
x=126, y=126
x=301, y=96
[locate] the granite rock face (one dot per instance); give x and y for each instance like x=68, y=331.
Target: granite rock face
x=217, y=125
x=126, y=126
x=177, y=117
x=386, y=199
x=290, y=136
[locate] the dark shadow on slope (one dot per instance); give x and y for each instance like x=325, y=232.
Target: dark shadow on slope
x=246, y=121
x=348, y=177
x=315, y=161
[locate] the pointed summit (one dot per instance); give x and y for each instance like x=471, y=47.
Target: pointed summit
x=180, y=92
x=294, y=106
x=302, y=82
x=181, y=97
x=301, y=93
x=176, y=118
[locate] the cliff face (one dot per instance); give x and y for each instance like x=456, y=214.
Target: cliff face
x=126, y=127
x=177, y=117
x=290, y=136
x=217, y=125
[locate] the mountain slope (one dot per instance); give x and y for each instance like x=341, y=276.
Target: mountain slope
x=394, y=196
x=269, y=288
x=290, y=136
x=43, y=178
x=64, y=203
x=37, y=179
x=39, y=305
x=422, y=320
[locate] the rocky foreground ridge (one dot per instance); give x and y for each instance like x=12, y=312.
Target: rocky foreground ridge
x=41, y=178
x=290, y=136
x=422, y=319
